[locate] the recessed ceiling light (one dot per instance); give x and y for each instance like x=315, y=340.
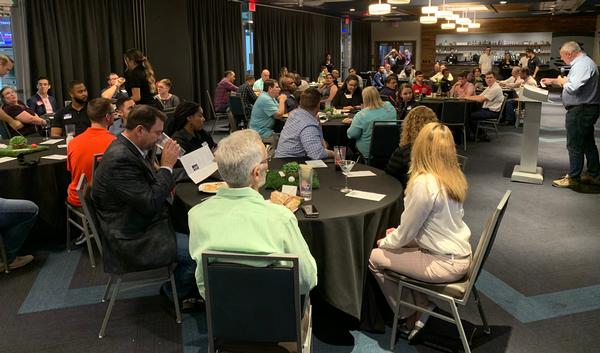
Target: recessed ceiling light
x=503, y=2
x=352, y=10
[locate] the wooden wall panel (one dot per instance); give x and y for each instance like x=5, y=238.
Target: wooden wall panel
x=571, y=23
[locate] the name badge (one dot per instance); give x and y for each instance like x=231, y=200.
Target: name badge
x=67, y=116
x=40, y=103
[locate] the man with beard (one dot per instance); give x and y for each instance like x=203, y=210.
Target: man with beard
x=238, y=218
x=288, y=86
x=74, y=113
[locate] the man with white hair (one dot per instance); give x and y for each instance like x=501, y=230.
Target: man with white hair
x=581, y=98
x=238, y=218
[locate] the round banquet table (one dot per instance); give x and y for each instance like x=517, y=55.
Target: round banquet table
x=45, y=184
x=341, y=238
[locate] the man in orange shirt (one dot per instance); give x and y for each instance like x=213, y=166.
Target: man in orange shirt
x=81, y=150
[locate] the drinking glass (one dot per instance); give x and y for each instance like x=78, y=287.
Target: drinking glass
x=327, y=104
x=46, y=130
x=346, y=165
x=340, y=154
x=160, y=143
x=305, y=182
x=70, y=132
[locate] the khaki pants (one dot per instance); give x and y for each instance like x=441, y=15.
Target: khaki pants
x=414, y=263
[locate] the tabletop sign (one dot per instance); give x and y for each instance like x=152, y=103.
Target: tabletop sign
x=50, y=142
x=289, y=189
x=199, y=164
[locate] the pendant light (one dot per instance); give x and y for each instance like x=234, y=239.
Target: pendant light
x=379, y=9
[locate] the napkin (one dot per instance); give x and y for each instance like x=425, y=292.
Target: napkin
x=58, y=157
x=361, y=173
x=50, y=142
x=372, y=196
x=6, y=159
x=316, y=163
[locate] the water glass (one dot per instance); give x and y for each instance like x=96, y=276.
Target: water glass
x=327, y=104
x=340, y=154
x=305, y=183
x=160, y=143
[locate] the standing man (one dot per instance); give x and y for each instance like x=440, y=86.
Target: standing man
x=224, y=89
x=581, y=98
x=486, y=61
x=534, y=63
x=74, y=113
x=132, y=193
x=42, y=103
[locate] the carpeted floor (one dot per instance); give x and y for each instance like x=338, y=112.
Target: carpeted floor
x=540, y=286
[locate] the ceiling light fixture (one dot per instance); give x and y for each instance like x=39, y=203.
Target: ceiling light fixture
x=462, y=29
x=398, y=2
x=428, y=20
x=474, y=24
x=429, y=10
x=379, y=9
x=449, y=25
x=503, y=2
x=444, y=13
x=463, y=20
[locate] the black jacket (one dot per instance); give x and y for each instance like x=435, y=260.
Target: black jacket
x=399, y=163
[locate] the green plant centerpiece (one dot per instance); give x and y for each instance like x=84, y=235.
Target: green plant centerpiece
x=287, y=175
x=17, y=142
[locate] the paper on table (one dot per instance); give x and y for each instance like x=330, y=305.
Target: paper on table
x=57, y=157
x=289, y=189
x=372, y=196
x=360, y=173
x=199, y=164
x=6, y=159
x=50, y=142
x=62, y=146
x=316, y=163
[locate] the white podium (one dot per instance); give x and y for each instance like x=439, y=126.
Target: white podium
x=528, y=171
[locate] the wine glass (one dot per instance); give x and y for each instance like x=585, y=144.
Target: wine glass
x=346, y=166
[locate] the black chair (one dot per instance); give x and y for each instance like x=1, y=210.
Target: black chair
x=97, y=159
x=492, y=124
x=216, y=116
x=109, y=256
x=3, y=255
x=251, y=308
x=456, y=292
x=170, y=113
x=239, y=112
x=455, y=114
x=78, y=219
x=385, y=138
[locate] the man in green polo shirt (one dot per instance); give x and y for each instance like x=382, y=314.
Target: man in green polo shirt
x=239, y=219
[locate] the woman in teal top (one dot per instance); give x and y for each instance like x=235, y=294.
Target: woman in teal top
x=374, y=109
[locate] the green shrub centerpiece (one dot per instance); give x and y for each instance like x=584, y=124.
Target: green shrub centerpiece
x=287, y=175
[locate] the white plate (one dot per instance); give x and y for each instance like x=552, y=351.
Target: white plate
x=211, y=188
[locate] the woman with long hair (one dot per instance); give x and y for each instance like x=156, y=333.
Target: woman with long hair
x=349, y=96
x=361, y=127
x=187, y=127
x=431, y=244
x=140, y=82
x=399, y=162
x=328, y=89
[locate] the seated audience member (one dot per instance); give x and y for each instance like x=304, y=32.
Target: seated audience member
x=247, y=94
x=361, y=127
x=478, y=79
x=115, y=88
x=164, y=96
x=463, y=87
x=514, y=81
x=349, y=96
x=420, y=87
x=283, y=72
x=322, y=75
x=408, y=74
x=18, y=217
x=406, y=101
x=124, y=105
x=288, y=88
x=352, y=71
x=132, y=192
x=224, y=89
x=6, y=65
x=140, y=82
x=302, y=135
x=81, y=150
x=431, y=244
x=41, y=102
x=19, y=111
x=379, y=77
x=441, y=75
x=336, y=77
x=187, y=128
x=389, y=91
x=259, y=84
x=510, y=117
x=238, y=218
x=74, y=113
x=387, y=71
x=269, y=106
x=399, y=162
x=492, y=98
x=328, y=90
x=300, y=83
x=445, y=83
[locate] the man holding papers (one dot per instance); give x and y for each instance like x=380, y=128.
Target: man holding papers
x=302, y=135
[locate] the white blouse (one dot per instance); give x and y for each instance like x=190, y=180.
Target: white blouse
x=432, y=219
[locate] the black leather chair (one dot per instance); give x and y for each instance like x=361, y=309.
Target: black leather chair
x=254, y=308
x=385, y=138
x=112, y=263
x=239, y=112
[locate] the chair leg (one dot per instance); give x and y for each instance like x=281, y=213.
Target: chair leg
x=175, y=297
x=496, y=128
x=464, y=138
x=486, y=328
x=110, y=306
x=98, y=244
x=396, y=314
x=459, y=326
x=88, y=242
x=68, y=231
x=107, y=289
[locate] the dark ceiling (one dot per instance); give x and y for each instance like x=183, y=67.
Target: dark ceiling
x=411, y=12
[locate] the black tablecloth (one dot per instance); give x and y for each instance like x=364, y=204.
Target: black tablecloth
x=342, y=237
x=45, y=184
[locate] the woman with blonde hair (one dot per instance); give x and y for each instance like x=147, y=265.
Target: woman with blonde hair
x=374, y=109
x=400, y=160
x=432, y=242
x=139, y=77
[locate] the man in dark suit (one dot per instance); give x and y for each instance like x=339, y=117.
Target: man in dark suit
x=41, y=102
x=131, y=192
